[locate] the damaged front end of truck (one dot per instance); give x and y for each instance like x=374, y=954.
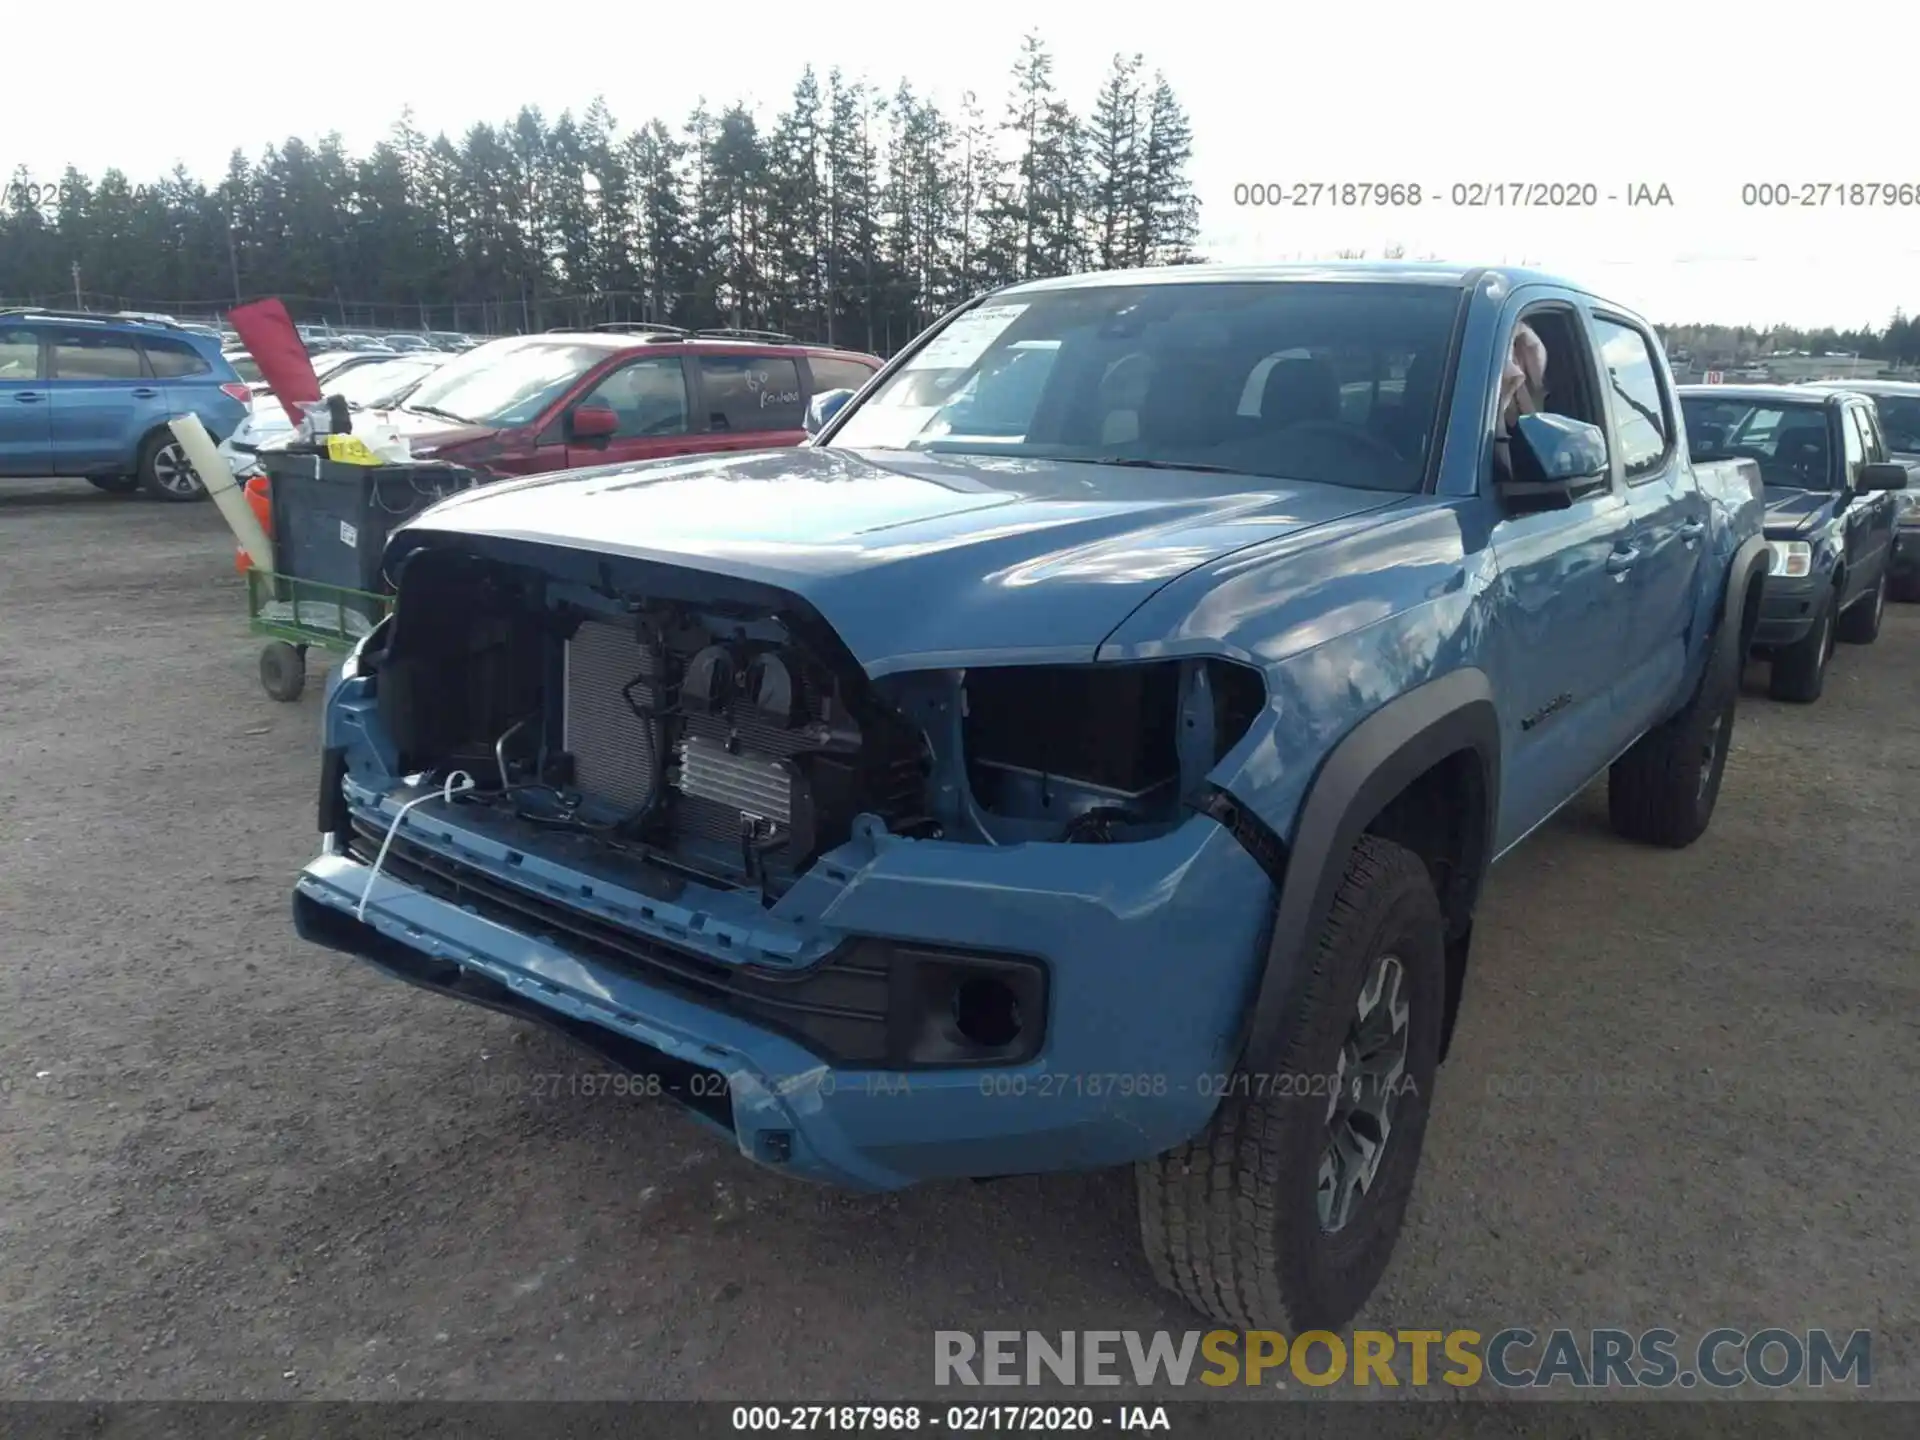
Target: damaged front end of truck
x=851, y=921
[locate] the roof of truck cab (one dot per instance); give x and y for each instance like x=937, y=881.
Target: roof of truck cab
x=1758, y=394
x=1863, y=387
x=1406, y=272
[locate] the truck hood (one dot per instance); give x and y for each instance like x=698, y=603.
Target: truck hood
x=916, y=560
x=1793, y=512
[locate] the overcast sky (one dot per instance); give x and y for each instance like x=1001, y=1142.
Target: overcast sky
x=1701, y=98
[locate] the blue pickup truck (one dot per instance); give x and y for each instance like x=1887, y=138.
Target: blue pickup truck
x=1832, y=516
x=1086, y=750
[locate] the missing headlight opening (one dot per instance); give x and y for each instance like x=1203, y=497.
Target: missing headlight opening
x=721, y=729
x=1101, y=752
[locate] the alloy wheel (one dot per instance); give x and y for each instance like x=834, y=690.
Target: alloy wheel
x=174, y=471
x=1364, y=1092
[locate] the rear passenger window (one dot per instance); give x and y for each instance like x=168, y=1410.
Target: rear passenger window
x=1633, y=393
x=173, y=361
x=19, y=355
x=751, y=392
x=96, y=357
x=837, y=374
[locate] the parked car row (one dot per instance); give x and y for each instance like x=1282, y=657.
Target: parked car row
x=1839, y=531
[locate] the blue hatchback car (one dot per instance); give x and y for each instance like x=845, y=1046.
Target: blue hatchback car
x=90, y=396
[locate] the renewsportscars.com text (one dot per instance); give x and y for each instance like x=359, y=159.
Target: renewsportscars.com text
x=1513, y=1358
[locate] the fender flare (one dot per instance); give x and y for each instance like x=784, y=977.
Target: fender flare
x=1377, y=760
x=1730, y=645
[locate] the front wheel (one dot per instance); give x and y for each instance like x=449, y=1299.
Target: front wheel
x=1285, y=1209
x=165, y=471
x=1800, y=669
x=1861, y=624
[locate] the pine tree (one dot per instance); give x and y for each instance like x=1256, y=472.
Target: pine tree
x=1169, y=213
x=1116, y=178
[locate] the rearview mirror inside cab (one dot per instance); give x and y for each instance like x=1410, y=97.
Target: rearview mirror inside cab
x=1553, y=461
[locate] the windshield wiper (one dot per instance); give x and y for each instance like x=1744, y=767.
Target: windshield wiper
x=443, y=414
x=1129, y=462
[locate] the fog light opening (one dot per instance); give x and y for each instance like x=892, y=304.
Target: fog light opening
x=986, y=1012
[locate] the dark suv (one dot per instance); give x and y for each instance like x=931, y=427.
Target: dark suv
x=1831, y=493
x=534, y=403
x=90, y=396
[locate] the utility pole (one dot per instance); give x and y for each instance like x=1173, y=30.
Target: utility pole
x=233, y=259
x=77, y=304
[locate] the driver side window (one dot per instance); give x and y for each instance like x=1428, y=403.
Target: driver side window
x=648, y=396
x=1566, y=386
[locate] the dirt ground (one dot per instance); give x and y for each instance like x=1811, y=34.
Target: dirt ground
x=1683, y=1090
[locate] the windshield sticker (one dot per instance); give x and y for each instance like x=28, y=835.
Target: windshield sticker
x=966, y=339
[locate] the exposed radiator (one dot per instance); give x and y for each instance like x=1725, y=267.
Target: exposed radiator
x=614, y=750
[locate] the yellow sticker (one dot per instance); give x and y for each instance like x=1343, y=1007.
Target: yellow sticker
x=350, y=450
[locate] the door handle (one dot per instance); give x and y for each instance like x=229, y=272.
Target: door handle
x=28, y=397
x=1621, y=560
x=144, y=392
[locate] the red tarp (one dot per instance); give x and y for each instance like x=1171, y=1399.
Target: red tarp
x=267, y=331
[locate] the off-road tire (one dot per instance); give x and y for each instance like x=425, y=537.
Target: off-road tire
x=115, y=484
x=1800, y=669
x=1230, y=1220
x=160, y=455
x=1663, y=790
x=1860, y=622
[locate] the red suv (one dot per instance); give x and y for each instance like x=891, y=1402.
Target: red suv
x=533, y=403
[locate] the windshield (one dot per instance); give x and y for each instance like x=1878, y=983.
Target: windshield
x=1790, y=443
x=507, y=382
x=1295, y=380
x=1900, y=422
x=383, y=382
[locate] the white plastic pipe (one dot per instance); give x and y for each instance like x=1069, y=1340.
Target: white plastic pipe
x=226, y=492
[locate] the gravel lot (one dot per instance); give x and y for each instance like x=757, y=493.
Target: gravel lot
x=233, y=1165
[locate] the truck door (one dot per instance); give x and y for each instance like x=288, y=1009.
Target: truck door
x=1869, y=518
x=1669, y=521
x=26, y=443
x=1562, y=608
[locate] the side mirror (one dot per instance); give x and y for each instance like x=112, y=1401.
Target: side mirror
x=1884, y=475
x=592, y=422
x=1554, y=461
x=826, y=405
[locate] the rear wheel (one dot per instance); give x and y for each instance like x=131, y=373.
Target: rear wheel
x=1800, y=669
x=1860, y=625
x=165, y=471
x=115, y=484
x=1285, y=1209
x=1663, y=790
